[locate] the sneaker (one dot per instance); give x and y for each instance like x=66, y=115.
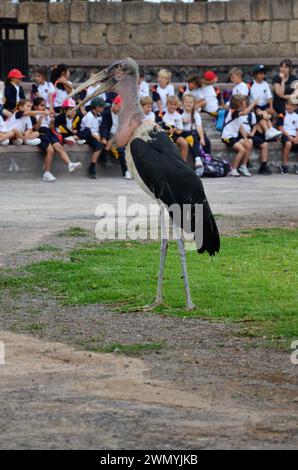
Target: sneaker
x=244, y=171
x=264, y=170
x=48, y=177
x=127, y=175
x=17, y=142
x=80, y=142
x=74, y=166
x=32, y=141
x=234, y=172
x=199, y=171
x=5, y=142
x=284, y=169
x=198, y=162
x=272, y=134
x=70, y=140
x=92, y=171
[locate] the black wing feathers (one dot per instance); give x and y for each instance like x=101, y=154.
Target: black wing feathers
x=171, y=180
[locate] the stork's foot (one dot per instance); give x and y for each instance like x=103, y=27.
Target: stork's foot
x=147, y=308
x=191, y=306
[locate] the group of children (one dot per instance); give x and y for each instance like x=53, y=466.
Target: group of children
x=50, y=120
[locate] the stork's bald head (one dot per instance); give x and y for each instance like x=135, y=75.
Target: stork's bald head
x=109, y=78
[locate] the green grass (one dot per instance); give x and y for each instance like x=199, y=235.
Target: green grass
x=74, y=232
x=132, y=349
x=46, y=247
x=253, y=279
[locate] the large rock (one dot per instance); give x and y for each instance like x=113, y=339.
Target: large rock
x=174, y=34
x=139, y=12
x=216, y=11
x=238, y=10
x=78, y=12
x=197, y=12
x=57, y=12
x=74, y=33
x=7, y=9
x=93, y=33
x=84, y=52
x=181, y=12
x=29, y=12
x=60, y=35
x=166, y=13
x=119, y=34
x=231, y=32
x=148, y=34
x=261, y=10
x=295, y=9
x=282, y=9
x=100, y=12
x=33, y=38
x=252, y=32
x=266, y=31
x=279, y=31
x=211, y=33
x=193, y=34
x=293, y=33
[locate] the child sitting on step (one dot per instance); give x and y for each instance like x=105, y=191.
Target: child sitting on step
x=49, y=141
x=288, y=125
x=173, y=124
x=193, y=131
x=234, y=136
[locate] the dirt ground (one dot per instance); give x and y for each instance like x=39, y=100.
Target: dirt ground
x=208, y=387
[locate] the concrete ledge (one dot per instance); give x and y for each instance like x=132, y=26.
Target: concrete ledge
x=26, y=160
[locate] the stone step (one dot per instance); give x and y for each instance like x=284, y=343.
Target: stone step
x=28, y=161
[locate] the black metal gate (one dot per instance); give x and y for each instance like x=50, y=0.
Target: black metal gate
x=13, y=47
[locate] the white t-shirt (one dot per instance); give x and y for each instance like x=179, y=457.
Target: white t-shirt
x=150, y=116
x=197, y=93
x=18, y=93
x=3, y=126
x=91, y=89
x=164, y=93
x=246, y=123
x=261, y=91
x=240, y=89
x=60, y=96
x=173, y=119
x=19, y=122
x=45, y=121
x=44, y=90
x=143, y=89
x=209, y=95
x=290, y=124
x=187, y=124
x=92, y=122
x=231, y=129
x=115, y=120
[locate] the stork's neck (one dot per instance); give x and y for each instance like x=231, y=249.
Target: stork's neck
x=131, y=115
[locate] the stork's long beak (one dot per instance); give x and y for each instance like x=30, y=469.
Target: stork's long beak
x=106, y=80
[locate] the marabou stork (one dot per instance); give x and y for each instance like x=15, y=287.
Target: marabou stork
x=154, y=161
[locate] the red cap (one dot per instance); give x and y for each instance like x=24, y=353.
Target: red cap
x=117, y=100
x=70, y=103
x=15, y=73
x=210, y=76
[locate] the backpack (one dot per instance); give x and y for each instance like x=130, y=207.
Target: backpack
x=214, y=167
x=220, y=120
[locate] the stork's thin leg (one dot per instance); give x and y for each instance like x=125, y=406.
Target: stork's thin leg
x=189, y=304
x=163, y=254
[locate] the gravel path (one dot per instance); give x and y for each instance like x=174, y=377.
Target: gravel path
x=209, y=386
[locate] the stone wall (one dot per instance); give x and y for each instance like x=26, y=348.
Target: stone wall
x=238, y=28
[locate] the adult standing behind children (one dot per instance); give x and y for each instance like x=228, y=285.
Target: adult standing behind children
x=282, y=88
x=13, y=91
